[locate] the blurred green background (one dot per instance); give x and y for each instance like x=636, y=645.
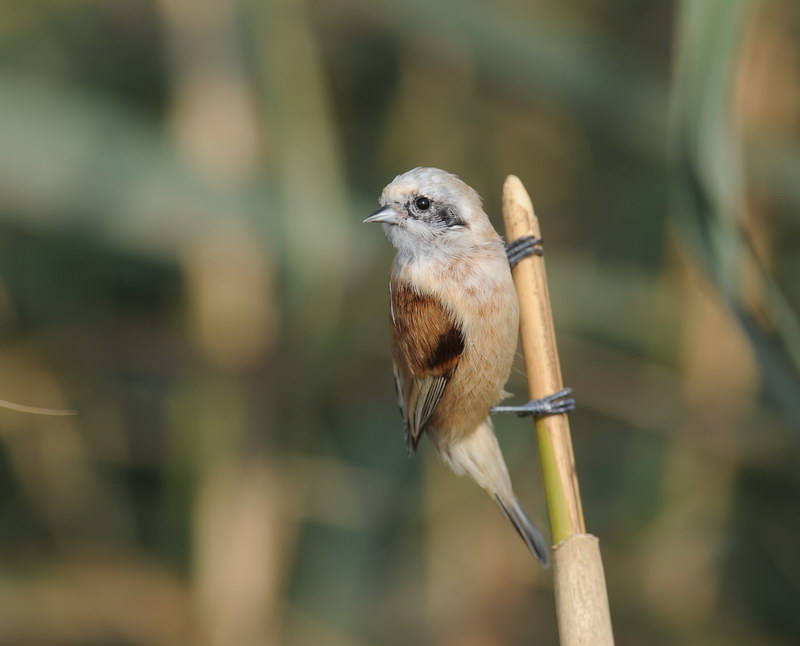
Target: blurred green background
x=182, y=261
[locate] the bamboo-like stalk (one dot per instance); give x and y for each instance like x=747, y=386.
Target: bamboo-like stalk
x=581, y=598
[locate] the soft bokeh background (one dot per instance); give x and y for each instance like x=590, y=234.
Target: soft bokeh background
x=182, y=261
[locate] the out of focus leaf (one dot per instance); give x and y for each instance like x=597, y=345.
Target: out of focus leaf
x=709, y=186
x=70, y=161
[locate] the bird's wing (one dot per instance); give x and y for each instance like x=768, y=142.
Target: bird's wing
x=427, y=343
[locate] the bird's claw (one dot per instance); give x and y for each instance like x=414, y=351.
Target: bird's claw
x=522, y=248
x=554, y=404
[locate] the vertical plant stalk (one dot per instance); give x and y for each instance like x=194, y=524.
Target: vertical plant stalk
x=581, y=598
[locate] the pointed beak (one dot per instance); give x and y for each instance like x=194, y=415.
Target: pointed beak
x=385, y=215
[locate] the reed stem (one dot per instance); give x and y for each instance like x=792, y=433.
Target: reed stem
x=581, y=598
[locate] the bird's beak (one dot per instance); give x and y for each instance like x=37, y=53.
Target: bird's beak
x=385, y=215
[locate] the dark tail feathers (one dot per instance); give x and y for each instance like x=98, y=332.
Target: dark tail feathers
x=526, y=529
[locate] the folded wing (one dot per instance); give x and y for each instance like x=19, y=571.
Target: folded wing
x=427, y=344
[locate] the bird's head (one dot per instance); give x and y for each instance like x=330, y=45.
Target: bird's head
x=429, y=210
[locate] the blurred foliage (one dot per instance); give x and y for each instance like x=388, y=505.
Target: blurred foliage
x=182, y=261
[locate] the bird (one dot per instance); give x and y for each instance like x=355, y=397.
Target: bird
x=454, y=319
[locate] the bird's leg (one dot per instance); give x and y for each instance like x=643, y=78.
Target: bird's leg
x=522, y=248
x=554, y=404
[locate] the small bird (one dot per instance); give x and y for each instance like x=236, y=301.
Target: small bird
x=454, y=321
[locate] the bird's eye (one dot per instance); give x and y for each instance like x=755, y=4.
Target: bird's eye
x=422, y=203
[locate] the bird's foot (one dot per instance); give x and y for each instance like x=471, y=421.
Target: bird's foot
x=554, y=404
x=522, y=248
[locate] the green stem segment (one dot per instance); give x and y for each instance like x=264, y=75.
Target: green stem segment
x=544, y=372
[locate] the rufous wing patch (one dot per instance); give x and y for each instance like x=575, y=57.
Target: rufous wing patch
x=427, y=344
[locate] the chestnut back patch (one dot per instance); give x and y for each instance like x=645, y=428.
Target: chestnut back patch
x=427, y=340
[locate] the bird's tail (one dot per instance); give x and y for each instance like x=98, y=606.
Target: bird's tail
x=526, y=528
x=478, y=455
